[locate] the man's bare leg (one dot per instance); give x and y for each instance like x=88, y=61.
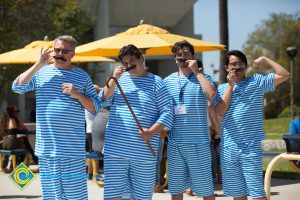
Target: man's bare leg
x=211, y=197
x=261, y=198
x=189, y=192
x=117, y=198
x=244, y=197
x=177, y=196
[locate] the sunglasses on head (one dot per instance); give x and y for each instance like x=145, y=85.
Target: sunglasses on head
x=64, y=51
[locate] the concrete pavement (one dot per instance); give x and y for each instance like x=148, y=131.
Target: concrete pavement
x=281, y=190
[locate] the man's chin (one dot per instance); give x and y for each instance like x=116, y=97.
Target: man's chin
x=59, y=63
x=131, y=72
x=239, y=79
x=183, y=66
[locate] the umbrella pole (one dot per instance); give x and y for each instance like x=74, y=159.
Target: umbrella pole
x=128, y=105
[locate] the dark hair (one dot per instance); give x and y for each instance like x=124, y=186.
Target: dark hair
x=4, y=123
x=180, y=45
x=238, y=54
x=129, y=50
x=199, y=63
x=12, y=111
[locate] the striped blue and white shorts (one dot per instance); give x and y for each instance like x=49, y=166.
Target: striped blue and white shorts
x=241, y=166
x=63, y=178
x=128, y=179
x=189, y=166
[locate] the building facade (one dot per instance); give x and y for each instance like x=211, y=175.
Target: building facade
x=115, y=16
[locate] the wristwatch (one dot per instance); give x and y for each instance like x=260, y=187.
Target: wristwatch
x=199, y=71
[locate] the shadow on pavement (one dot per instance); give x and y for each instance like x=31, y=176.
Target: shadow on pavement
x=283, y=182
x=274, y=193
x=20, y=196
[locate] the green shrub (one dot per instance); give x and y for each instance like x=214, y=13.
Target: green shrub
x=287, y=111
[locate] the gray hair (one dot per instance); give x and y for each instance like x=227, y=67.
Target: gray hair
x=69, y=39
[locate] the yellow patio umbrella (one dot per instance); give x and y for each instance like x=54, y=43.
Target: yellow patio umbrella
x=29, y=54
x=151, y=39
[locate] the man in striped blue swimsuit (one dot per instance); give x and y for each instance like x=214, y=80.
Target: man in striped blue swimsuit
x=129, y=166
x=242, y=125
x=63, y=92
x=189, y=157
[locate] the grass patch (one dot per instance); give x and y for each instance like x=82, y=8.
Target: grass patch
x=282, y=169
x=276, y=150
x=274, y=136
x=282, y=166
x=275, y=128
x=278, y=125
x=285, y=175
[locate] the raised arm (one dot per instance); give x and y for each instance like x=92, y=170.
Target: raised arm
x=109, y=91
x=43, y=60
x=281, y=74
x=222, y=107
x=208, y=88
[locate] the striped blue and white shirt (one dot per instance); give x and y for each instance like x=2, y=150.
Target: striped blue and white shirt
x=151, y=104
x=189, y=128
x=243, y=120
x=60, y=119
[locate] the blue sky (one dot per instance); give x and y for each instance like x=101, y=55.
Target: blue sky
x=243, y=17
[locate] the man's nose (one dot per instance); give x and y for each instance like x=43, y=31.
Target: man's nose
x=59, y=52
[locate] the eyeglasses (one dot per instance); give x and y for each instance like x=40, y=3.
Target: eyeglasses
x=237, y=64
x=129, y=63
x=64, y=51
x=185, y=54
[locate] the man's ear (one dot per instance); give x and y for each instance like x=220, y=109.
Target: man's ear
x=143, y=58
x=175, y=59
x=226, y=68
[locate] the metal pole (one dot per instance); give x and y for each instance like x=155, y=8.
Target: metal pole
x=292, y=52
x=292, y=87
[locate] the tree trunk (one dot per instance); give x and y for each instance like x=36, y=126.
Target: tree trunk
x=223, y=16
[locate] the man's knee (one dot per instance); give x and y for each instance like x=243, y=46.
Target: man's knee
x=177, y=196
x=211, y=197
x=117, y=198
x=244, y=197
